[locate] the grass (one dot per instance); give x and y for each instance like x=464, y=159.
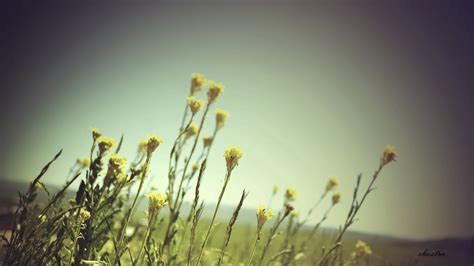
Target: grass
x=101, y=223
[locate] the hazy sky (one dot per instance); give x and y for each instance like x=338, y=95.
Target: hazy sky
x=313, y=90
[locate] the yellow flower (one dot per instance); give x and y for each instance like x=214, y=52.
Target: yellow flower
x=122, y=177
x=84, y=215
x=232, y=156
x=361, y=250
x=197, y=80
x=207, y=141
x=332, y=183
x=156, y=201
x=290, y=194
x=388, y=155
x=215, y=90
x=192, y=130
x=105, y=143
x=336, y=197
x=221, y=116
x=116, y=164
x=152, y=143
x=95, y=133
x=276, y=188
x=83, y=162
x=295, y=213
x=263, y=215
x=194, y=104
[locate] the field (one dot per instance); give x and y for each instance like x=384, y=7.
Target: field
x=113, y=218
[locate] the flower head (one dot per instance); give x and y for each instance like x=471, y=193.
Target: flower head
x=290, y=194
x=83, y=162
x=388, y=155
x=152, y=143
x=192, y=130
x=336, y=198
x=263, y=215
x=295, y=213
x=197, y=80
x=194, y=104
x=361, y=250
x=156, y=201
x=142, y=146
x=232, y=156
x=221, y=116
x=116, y=165
x=105, y=143
x=332, y=183
x=95, y=133
x=84, y=215
x=215, y=90
x=207, y=141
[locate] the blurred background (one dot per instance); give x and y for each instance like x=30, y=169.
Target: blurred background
x=314, y=90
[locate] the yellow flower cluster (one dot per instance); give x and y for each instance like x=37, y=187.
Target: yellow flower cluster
x=195, y=104
x=263, y=215
x=116, y=165
x=290, y=194
x=192, y=130
x=197, y=81
x=105, y=143
x=95, y=133
x=207, y=141
x=332, y=183
x=221, y=116
x=156, y=201
x=336, y=198
x=152, y=143
x=232, y=156
x=388, y=155
x=361, y=250
x=84, y=215
x=83, y=162
x=215, y=90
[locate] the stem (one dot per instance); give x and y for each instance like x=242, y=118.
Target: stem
x=257, y=238
x=204, y=243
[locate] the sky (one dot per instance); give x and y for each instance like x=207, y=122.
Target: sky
x=314, y=90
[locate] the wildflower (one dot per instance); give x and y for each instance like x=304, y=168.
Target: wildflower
x=116, y=164
x=361, y=250
x=215, y=90
x=336, y=197
x=207, y=141
x=194, y=104
x=152, y=143
x=332, y=183
x=388, y=155
x=263, y=215
x=84, y=215
x=105, y=143
x=288, y=209
x=290, y=194
x=122, y=177
x=95, y=133
x=192, y=130
x=276, y=188
x=156, y=201
x=232, y=156
x=83, y=162
x=197, y=80
x=221, y=116
x=295, y=213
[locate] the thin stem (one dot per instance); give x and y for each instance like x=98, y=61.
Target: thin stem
x=252, y=254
